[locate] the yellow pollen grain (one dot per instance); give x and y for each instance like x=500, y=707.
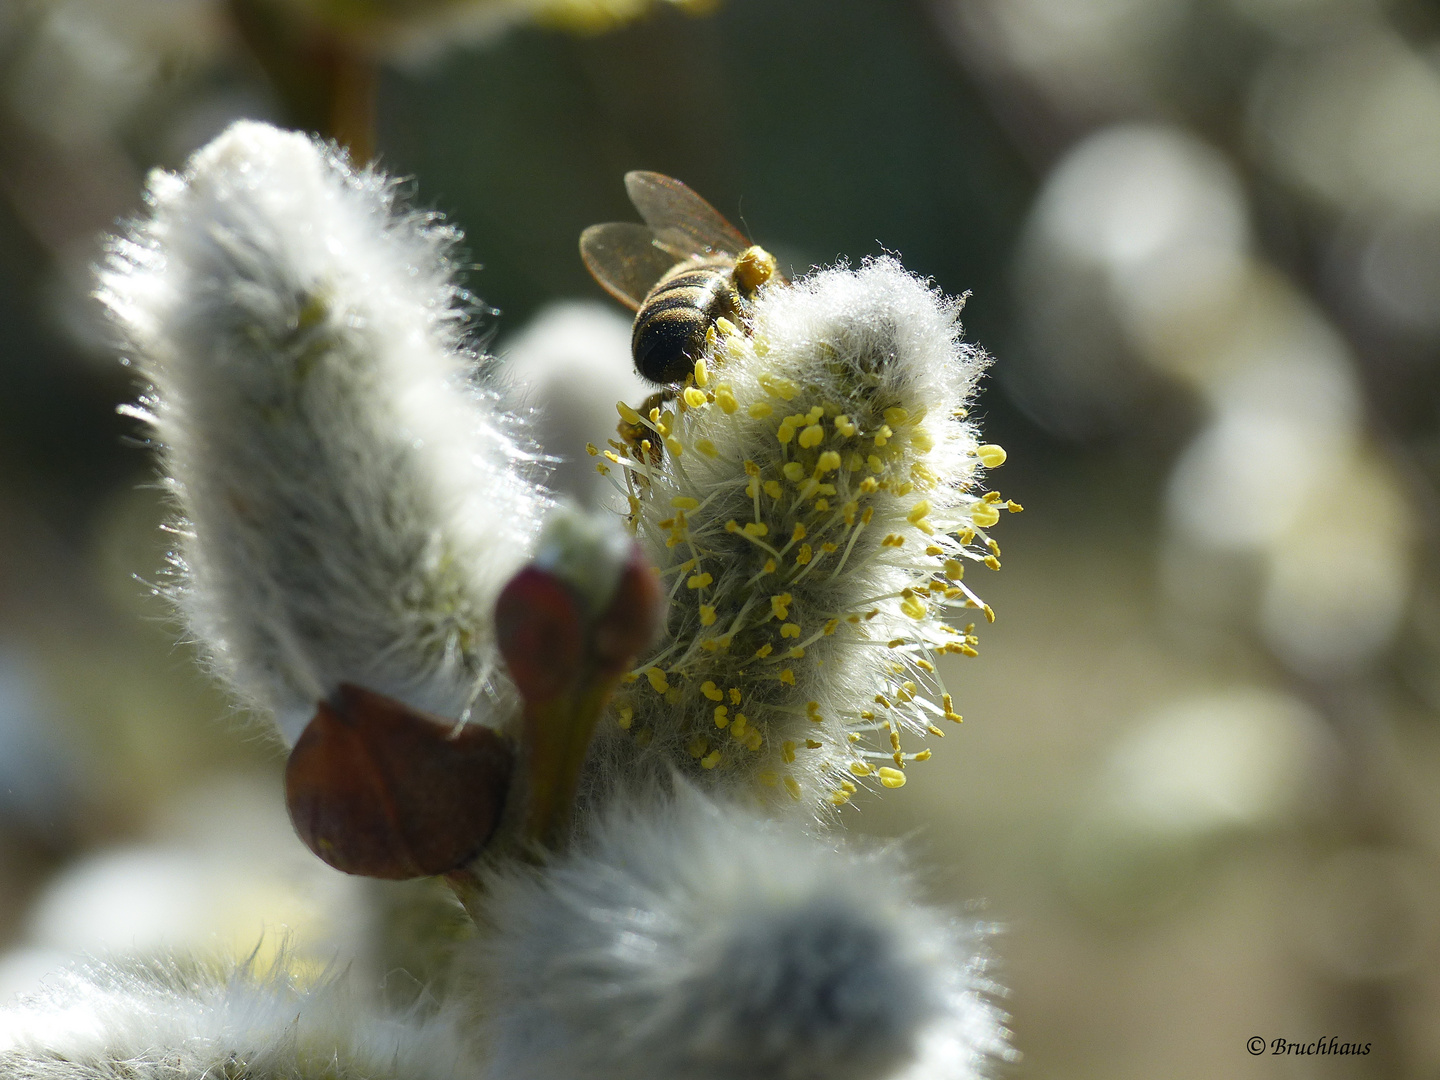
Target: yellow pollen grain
x=813, y=435
x=707, y=615
x=710, y=760
x=760, y=409
x=657, y=679
x=725, y=398
x=892, y=778
x=698, y=581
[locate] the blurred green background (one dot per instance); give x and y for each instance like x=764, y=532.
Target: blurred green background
x=1197, y=783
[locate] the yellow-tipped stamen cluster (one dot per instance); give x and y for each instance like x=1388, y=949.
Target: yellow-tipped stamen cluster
x=810, y=533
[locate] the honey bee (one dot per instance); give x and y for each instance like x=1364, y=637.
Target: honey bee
x=682, y=271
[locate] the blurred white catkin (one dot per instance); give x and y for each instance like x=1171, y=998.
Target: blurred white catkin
x=688, y=940
x=352, y=502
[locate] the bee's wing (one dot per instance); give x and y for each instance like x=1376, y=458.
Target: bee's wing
x=682, y=221
x=625, y=259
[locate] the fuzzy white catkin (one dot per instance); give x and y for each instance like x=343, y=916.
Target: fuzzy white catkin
x=193, y=1021
x=810, y=503
x=352, y=502
x=683, y=940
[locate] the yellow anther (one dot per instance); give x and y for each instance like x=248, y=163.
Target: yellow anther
x=839, y=798
x=798, y=534
x=773, y=489
x=883, y=435
x=874, y=464
x=920, y=439
x=760, y=409
x=710, y=760
x=814, y=415
x=790, y=629
x=892, y=778
x=674, y=445
x=896, y=416
x=831, y=626
x=706, y=447
x=702, y=373
x=866, y=714
x=657, y=679
x=939, y=732
x=697, y=746
x=812, y=744
x=722, y=716
x=954, y=569
x=787, y=752
x=881, y=699
x=629, y=415
x=592, y=449
x=624, y=716
x=1013, y=507
x=738, y=725
x=764, y=650
x=828, y=462
x=844, y=426
x=813, y=435
x=804, y=555
x=698, y=581
x=827, y=547
x=780, y=605
x=726, y=327
x=770, y=566
x=753, y=739
x=923, y=755
x=785, y=432
x=684, y=502
x=711, y=691
x=767, y=777
x=860, y=768
x=989, y=613
x=756, y=528
x=610, y=455
x=992, y=562
x=984, y=514
x=991, y=455
x=914, y=607
x=787, y=677
x=794, y=471
x=924, y=665
x=707, y=615
x=793, y=787
x=919, y=512
x=780, y=387
x=797, y=653
x=694, y=397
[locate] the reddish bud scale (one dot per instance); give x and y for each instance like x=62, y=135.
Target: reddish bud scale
x=379, y=789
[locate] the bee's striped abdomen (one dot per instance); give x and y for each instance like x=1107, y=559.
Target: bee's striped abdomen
x=670, y=328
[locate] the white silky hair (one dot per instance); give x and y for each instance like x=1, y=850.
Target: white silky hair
x=570, y=364
x=352, y=500
x=197, y=1021
x=687, y=940
x=870, y=363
